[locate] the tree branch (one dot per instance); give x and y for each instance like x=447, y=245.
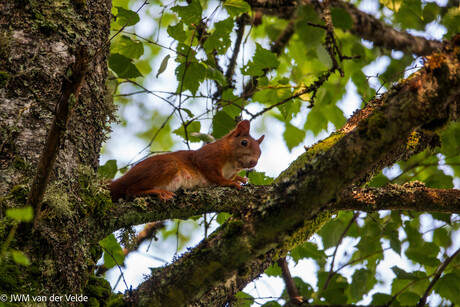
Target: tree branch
x=414, y=196
x=71, y=87
x=364, y=26
x=245, y=245
x=291, y=288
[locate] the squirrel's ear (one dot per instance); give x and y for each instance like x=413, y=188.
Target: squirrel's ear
x=242, y=128
x=260, y=139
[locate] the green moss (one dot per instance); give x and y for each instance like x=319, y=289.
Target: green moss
x=20, y=164
x=96, y=199
x=9, y=276
x=98, y=291
x=4, y=77
x=19, y=193
x=376, y=124
x=116, y=300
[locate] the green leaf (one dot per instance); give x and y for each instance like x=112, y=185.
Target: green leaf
x=380, y=299
x=309, y=250
x=401, y=274
x=24, y=214
x=219, y=40
x=243, y=299
x=273, y=270
x=193, y=127
x=452, y=22
x=236, y=7
x=439, y=180
x=408, y=298
x=393, y=5
x=123, y=66
x=190, y=14
x=341, y=19
x=331, y=232
x=441, y=237
x=448, y=287
x=425, y=254
x=293, y=136
x=222, y=217
x=20, y=258
x=128, y=47
x=362, y=282
x=126, y=17
x=263, y=59
x=379, y=181
x=316, y=121
x=194, y=74
x=109, y=169
x=444, y=217
x=310, y=36
x=216, y=75
x=164, y=64
x=113, y=253
x=259, y=178
x=335, y=292
x=177, y=32
x=222, y=124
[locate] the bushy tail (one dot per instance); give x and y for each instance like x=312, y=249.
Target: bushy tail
x=117, y=189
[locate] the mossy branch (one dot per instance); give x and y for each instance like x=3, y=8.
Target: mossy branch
x=247, y=243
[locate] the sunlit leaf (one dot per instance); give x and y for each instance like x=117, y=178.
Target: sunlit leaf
x=113, y=253
x=24, y=214
x=123, y=66
x=262, y=59
x=163, y=65
x=190, y=14
x=109, y=169
x=236, y=7
x=20, y=258
x=193, y=127
x=127, y=17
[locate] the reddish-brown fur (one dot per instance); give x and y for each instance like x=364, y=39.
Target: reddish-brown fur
x=216, y=163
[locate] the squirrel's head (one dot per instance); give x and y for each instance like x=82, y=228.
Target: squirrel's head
x=245, y=149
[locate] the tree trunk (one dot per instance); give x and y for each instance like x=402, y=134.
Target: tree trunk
x=39, y=43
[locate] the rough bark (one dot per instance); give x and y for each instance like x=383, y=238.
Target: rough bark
x=242, y=247
x=39, y=40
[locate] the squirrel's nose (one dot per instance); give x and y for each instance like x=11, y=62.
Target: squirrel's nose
x=252, y=163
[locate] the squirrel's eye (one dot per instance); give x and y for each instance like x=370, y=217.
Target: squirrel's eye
x=244, y=143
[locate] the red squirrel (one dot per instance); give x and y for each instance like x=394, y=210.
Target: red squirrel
x=217, y=163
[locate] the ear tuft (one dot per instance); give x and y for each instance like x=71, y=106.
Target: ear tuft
x=242, y=128
x=261, y=139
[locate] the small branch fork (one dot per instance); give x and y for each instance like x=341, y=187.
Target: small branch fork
x=70, y=91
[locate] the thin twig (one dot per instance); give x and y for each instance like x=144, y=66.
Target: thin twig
x=438, y=273
x=118, y=265
x=331, y=270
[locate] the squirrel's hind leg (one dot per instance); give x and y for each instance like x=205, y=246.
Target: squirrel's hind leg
x=162, y=194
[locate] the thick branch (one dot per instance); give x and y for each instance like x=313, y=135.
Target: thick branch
x=240, y=247
x=413, y=196
x=364, y=26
